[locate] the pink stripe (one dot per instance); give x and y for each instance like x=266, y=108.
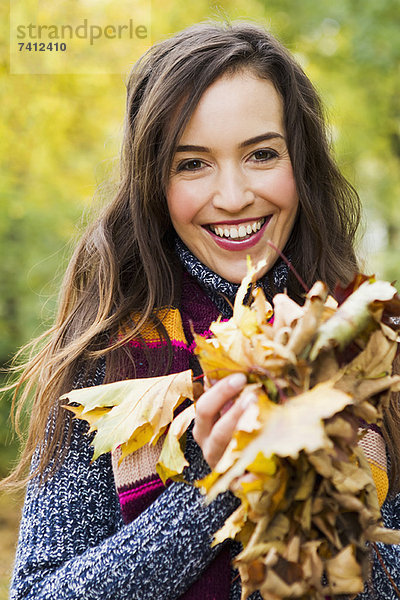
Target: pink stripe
x=192, y=347
x=130, y=495
x=179, y=344
x=207, y=333
x=142, y=486
x=176, y=343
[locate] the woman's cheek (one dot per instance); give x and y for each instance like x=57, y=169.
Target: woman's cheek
x=183, y=203
x=283, y=190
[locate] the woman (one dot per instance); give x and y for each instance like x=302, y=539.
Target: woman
x=224, y=149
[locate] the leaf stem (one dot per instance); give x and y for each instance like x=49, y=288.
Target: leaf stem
x=289, y=264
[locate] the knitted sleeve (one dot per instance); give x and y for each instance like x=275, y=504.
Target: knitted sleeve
x=380, y=585
x=73, y=543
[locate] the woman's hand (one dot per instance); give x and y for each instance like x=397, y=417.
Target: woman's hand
x=217, y=415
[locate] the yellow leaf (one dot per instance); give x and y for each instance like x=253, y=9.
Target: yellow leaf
x=172, y=461
x=251, y=485
x=262, y=464
x=141, y=409
x=251, y=277
x=141, y=436
x=261, y=307
x=232, y=341
x=248, y=324
x=91, y=417
x=232, y=526
x=207, y=481
x=214, y=362
x=282, y=435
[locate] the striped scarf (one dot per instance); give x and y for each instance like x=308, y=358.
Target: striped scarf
x=137, y=482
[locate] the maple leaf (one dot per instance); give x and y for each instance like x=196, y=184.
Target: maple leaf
x=135, y=411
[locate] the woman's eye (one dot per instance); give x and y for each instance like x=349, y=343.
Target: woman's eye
x=190, y=165
x=262, y=155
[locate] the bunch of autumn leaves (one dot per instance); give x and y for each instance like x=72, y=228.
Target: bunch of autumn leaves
x=309, y=505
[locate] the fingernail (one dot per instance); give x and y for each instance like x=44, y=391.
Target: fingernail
x=247, y=400
x=237, y=380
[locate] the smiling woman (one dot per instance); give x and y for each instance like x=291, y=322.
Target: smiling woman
x=232, y=188
x=224, y=151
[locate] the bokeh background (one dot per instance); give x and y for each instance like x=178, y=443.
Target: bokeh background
x=60, y=137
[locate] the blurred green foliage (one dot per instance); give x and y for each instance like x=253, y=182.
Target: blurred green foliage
x=60, y=137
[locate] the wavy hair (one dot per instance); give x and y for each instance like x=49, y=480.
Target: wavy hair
x=124, y=262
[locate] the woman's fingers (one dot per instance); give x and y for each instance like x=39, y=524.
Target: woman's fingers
x=211, y=402
x=217, y=414
x=215, y=444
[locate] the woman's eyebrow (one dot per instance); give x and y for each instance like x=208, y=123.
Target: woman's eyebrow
x=263, y=137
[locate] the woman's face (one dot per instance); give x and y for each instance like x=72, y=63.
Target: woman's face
x=231, y=187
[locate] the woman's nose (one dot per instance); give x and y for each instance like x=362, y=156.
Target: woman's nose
x=232, y=192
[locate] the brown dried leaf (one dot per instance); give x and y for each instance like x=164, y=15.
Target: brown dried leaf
x=344, y=573
x=306, y=327
x=381, y=534
x=352, y=316
x=377, y=358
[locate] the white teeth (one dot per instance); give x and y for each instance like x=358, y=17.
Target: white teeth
x=233, y=233
x=238, y=232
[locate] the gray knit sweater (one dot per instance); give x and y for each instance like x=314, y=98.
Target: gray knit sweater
x=73, y=544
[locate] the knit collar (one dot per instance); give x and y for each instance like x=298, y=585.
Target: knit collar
x=221, y=291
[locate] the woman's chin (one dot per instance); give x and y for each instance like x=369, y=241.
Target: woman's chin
x=237, y=272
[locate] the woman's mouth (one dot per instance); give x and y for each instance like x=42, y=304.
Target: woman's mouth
x=240, y=232
x=240, y=235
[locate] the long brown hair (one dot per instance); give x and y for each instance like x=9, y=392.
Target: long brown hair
x=124, y=262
